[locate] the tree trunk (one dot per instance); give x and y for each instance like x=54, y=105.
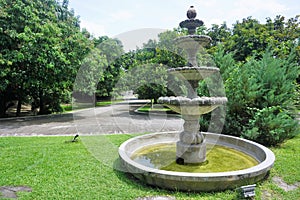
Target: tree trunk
x=41, y=103
x=3, y=104
x=42, y=106
x=19, y=106
x=2, y=107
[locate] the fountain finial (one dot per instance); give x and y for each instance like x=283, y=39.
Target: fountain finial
x=191, y=23
x=191, y=13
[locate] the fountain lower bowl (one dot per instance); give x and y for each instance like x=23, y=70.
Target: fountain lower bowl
x=187, y=181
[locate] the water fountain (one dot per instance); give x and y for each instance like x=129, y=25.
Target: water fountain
x=149, y=157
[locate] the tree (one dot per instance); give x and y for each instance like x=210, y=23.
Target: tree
x=148, y=80
x=219, y=34
x=42, y=51
x=113, y=51
x=90, y=73
x=250, y=37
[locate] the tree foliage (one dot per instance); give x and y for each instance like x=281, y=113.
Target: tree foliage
x=112, y=49
x=261, y=97
x=41, y=51
x=259, y=64
x=250, y=37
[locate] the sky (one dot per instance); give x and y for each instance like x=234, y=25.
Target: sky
x=135, y=20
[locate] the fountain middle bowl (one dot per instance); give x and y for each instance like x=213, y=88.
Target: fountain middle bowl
x=195, y=106
x=193, y=73
x=187, y=181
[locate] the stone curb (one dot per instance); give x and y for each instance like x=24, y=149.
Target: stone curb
x=27, y=118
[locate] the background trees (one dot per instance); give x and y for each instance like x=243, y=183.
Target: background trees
x=41, y=51
x=250, y=37
x=112, y=49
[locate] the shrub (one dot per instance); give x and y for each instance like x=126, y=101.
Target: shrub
x=261, y=97
x=271, y=126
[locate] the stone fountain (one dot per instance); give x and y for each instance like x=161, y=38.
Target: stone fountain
x=191, y=144
x=191, y=147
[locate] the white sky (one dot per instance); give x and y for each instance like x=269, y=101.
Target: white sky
x=114, y=17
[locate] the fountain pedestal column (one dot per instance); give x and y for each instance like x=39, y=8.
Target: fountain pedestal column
x=190, y=153
x=191, y=147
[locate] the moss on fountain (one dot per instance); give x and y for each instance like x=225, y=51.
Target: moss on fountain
x=219, y=159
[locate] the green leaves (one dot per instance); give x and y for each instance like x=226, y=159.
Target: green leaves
x=90, y=73
x=271, y=126
x=260, y=94
x=42, y=52
x=250, y=37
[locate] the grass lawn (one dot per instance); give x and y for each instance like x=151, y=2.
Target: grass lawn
x=107, y=103
x=55, y=169
x=70, y=107
x=157, y=108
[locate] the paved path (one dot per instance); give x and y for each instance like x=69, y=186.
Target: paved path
x=101, y=120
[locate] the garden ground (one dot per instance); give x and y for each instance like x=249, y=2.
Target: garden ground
x=53, y=168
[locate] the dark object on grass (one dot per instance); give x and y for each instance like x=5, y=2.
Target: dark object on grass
x=75, y=139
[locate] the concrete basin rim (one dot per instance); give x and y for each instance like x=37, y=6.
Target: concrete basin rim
x=262, y=167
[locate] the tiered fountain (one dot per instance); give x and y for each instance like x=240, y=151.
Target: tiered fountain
x=181, y=161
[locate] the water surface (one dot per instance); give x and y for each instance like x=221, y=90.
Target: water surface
x=218, y=159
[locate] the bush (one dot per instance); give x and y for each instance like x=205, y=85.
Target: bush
x=271, y=126
x=261, y=95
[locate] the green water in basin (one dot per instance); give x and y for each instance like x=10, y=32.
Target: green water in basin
x=218, y=159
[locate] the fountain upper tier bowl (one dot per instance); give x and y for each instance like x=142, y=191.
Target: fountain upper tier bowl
x=192, y=41
x=187, y=181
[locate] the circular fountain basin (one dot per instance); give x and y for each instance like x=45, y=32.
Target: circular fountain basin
x=187, y=181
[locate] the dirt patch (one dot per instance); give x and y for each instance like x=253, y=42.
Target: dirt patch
x=266, y=195
x=286, y=187
x=11, y=191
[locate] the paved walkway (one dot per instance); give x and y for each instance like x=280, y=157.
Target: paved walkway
x=113, y=119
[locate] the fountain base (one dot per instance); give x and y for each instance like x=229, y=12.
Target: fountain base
x=190, y=153
x=186, y=181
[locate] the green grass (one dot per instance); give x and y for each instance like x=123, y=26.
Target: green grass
x=70, y=107
x=156, y=108
x=107, y=103
x=58, y=170
x=287, y=167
